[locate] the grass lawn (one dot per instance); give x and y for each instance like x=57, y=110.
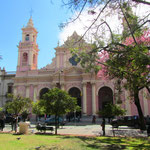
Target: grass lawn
x=52, y=142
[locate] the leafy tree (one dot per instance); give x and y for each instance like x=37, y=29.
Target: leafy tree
x=37, y=109
x=124, y=56
x=1, y=109
x=58, y=102
x=24, y=115
x=18, y=105
x=109, y=111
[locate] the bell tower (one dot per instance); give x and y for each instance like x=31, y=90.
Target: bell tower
x=28, y=48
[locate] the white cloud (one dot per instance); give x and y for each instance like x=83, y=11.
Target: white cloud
x=85, y=20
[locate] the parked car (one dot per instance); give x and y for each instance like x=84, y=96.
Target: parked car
x=51, y=121
x=132, y=121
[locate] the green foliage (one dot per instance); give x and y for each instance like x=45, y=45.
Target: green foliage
x=58, y=102
x=131, y=65
x=87, y=58
x=1, y=109
x=18, y=104
x=59, y=142
x=132, y=20
x=24, y=115
x=37, y=109
x=111, y=110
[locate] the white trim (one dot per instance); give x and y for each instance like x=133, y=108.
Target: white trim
x=105, y=85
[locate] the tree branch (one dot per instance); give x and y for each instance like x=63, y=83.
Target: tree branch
x=128, y=23
x=64, y=24
x=141, y=1
x=148, y=89
x=95, y=20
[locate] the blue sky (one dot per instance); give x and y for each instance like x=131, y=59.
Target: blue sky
x=14, y=14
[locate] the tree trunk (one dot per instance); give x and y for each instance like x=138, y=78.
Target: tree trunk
x=55, y=124
x=16, y=124
x=138, y=105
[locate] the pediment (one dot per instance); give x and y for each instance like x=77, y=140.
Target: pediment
x=73, y=71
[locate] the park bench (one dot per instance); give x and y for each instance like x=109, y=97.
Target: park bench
x=44, y=128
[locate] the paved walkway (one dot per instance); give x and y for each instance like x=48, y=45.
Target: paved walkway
x=89, y=130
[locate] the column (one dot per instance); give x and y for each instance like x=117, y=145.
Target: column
x=64, y=60
x=23, y=37
x=62, y=86
x=57, y=60
x=127, y=103
x=31, y=37
x=93, y=98
x=15, y=90
x=145, y=102
x=27, y=91
x=19, y=57
x=35, y=93
x=30, y=56
x=84, y=99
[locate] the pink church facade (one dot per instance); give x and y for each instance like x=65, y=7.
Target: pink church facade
x=91, y=91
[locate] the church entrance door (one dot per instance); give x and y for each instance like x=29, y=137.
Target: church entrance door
x=42, y=92
x=105, y=96
x=75, y=92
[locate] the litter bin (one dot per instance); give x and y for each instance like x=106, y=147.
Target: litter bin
x=23, y=128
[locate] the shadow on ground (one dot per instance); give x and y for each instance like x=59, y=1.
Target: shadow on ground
x=113, y=143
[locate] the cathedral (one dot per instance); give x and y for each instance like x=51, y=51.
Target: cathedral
x=91, y=91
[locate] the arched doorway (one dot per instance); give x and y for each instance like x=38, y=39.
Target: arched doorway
x=105, y=96
x=75, y=92
x=42, y=92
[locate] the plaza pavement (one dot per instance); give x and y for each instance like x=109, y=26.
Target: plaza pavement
x=84, y=129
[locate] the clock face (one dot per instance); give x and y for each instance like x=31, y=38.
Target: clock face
x=74, y=60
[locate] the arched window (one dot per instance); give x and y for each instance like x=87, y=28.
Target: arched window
x=27, y=37
x=25, y=59
x=42, y=92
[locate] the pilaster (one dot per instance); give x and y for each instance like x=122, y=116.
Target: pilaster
x=93, y=98
x=35, y=93
x=62, y=85
x=84, y=98
x=64, y=60
x=145, y=102
x=127, y=103
x=19, y=59
x=27, y=91
x=57, y=56
x=30, y=58
x=15, y=90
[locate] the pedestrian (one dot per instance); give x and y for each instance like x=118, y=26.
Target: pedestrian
x=94, y=119
x=2, y=121
x=148, y=130
x=13, y=123
x=103, y=126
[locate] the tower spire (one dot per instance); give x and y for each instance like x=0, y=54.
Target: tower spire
x=30, y=23
x=31, y=12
